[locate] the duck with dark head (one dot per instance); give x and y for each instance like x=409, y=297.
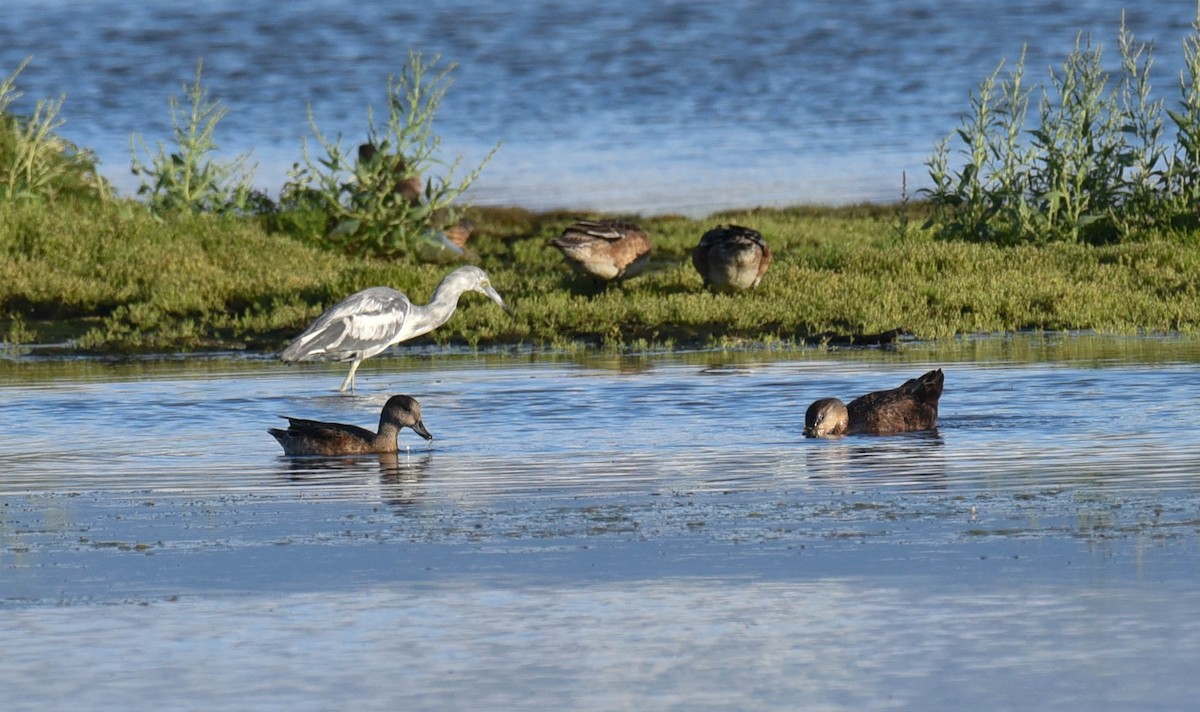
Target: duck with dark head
x=315, y=437
x=911, y=407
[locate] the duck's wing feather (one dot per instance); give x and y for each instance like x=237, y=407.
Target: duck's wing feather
x=732, y=233
x=911, y=406
x=590, y=230
x=320, y=429
x=361, y=325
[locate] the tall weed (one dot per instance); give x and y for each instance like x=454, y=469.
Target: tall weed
x=35, y=163
x=379, y=198
x=1095, y=168
x=189, y=179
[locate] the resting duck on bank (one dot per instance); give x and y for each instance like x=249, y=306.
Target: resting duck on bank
x=609, y=250
x=912, y=406
x=731, y=259
x=313, y=437
x=409, y=187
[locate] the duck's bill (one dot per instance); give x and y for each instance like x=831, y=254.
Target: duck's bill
x=419, y=429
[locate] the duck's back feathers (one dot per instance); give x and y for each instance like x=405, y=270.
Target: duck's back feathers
x=732, y=258
x=312, y=437
x=608, y=249
x=911, y=406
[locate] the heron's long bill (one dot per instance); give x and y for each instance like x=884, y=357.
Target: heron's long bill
x=495, y=297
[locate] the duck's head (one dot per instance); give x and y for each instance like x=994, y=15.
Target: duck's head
x=826, y=417
x=405, y=412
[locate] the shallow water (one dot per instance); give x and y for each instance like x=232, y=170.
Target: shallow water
x=639, y=532
x=674, y=106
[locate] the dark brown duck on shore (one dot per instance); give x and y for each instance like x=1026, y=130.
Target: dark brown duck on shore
x=314, y=437
x=910, y=407
x=410, y=187
x=731, y=259
x=609, y=250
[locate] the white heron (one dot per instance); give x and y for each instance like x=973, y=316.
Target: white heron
x=368, y=322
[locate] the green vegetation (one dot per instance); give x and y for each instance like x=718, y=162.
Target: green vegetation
x=35, y=164
x=116, y=278
x=190, y=178
x=1096, y=168
x=376, y=200
x=1087, y=222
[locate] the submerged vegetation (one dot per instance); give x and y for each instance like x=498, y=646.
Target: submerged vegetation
x=1086, y=222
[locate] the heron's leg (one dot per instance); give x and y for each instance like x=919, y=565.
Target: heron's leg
x=350, y=376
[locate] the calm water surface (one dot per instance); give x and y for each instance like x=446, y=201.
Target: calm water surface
x=643, y=532
x=675, y=106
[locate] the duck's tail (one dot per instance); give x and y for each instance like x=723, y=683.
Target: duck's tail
x=928, y=387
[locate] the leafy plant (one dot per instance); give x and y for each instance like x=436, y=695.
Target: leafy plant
x=1094, y=169
x=189, y=178
x=1183, y=176
x=34, y=161
x=377, y=197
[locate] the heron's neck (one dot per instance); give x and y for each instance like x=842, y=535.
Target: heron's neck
x=438, y=311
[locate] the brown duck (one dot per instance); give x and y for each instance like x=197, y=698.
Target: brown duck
x=609, y=250
x=407, y=186
x=731, y=259
x=313, y=437
x=912, y=406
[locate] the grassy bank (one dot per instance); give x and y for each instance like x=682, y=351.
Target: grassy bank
x=1083, y=219
x=111, y=277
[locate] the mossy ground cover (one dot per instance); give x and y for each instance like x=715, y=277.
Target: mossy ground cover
x=112, y=277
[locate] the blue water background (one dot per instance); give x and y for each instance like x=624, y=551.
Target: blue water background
x=620, y=105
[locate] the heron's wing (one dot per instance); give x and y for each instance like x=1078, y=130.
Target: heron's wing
x=361, y=325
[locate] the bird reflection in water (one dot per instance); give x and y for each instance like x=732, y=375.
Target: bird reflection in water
x=898, y=460
x=393, y=478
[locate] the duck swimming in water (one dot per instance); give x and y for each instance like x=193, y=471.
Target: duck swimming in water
x=313, y=437
x=731, y=259
x=912, y=406
x=609, y=250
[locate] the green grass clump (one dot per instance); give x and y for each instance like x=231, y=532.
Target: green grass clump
x=381, y=199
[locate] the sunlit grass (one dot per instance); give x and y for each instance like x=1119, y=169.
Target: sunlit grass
x=111, y=277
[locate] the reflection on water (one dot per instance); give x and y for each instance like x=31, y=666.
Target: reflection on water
x=396, y=478
x=909, y=460
x=596, y=536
